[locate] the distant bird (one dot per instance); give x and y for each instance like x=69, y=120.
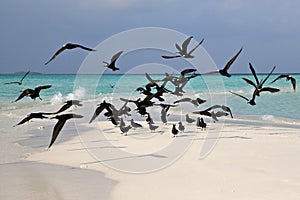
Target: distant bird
x=68, y=46
x=19, y=82
x=59, y=125
x=224, y=71
x=152, y=127
x=33, y=93
x=180, y=127
x=202, y=124
x=31, y=116
x=288, y=78
x=188, y=119
x=67, y=105
x=182, y=51
x=134, y=124
x=195, y=102
x=125, y=129
x=100, y=108
x=174, y=130
x=112, y=64
x=249, y=101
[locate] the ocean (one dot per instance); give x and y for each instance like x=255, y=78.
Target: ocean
x=278, y=107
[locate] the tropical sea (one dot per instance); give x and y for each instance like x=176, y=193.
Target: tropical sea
x=281, y=107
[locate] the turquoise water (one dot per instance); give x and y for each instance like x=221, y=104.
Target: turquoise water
x=213, y=88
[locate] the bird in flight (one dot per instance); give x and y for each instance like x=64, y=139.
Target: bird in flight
x=288, y=78
x=33, y=93
x=249, y=101
x=183, y=51
x=68, y=46
x=67, y=105
x=18, y=82
x=112, y=64
x=59, y=125
x=224, y=71
x=31, y=116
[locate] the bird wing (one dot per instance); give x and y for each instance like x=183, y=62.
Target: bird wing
x=269, y=89
x=97, y=112
x=42, y=87
x=213, y=107
x=24, y=76
x=183, y=100
x=14, y=82
x=254, y=73
x=279, y=77
x=56, y=130
x=185, y=44
x=239, y=95
x=178, y=47
x=24, y=93
x=263, y=81
x=85, y=48
x=26, y=119
x=169, y=57
x=63, y=108
x=116, y=56
x=229, y=63
x=56, y=54
x=191, y=51
x=186, y=71
x=293, y=80
x=249, y=82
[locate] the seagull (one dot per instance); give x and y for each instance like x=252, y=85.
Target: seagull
x=152, y=127
x=100, y=108
x=259, y=84
x=59, y=125
x=68, y=46
x=125, y=129
x=31, y=116
x=224, y=71
x=180, y=127
x=134, y=124
x=182, y=51
x=174, y=130
x=18, y=82
x=288, y=78
x=188, y=119
x=33, y=93
x=112, y=64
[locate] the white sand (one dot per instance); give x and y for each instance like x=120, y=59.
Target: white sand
x=235, y=160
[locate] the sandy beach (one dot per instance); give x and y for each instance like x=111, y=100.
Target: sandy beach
x=238, y=159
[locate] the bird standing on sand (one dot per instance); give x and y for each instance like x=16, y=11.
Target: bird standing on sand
x=180, y=127
x=31, y=116
x=182, y=51
x=152, y=127
x=33, y=93
x=18, y=82
x=134, y=124
x=188, y=119
x=59, y=125
x=68, y=46
x=224, y=71
x=174, y=130
x=112, y=64
x=125, y=129
x=288, y=78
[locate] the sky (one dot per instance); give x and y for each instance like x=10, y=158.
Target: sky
x=32, y=30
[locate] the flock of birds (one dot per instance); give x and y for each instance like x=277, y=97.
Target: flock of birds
x=153, y=93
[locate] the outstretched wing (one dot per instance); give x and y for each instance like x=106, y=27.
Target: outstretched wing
x=170, y=57
x=26, y=119
x=56, y=130
x=185, y=44
x=229, y=63
x=42, y=87
x=253, y=73
x=83, y=47
x=24, y=76
x=97, y=112
x=293, y=83
x=187, y=71
x=116, y=56
x=269, y=89
x=239, y=95
x=279, y=77
x=249, y=82
x=263, y=81
x=24, y=93
x=191, y=51
x=59, y=51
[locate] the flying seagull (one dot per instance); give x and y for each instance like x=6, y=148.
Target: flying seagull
x=112, y=64
x=68, y=46
x=18, y=82
x=31, y=116
x=224, y=71
x=182, y=51
x=59, y=125
x=249, y=101
x=288, y=78
x=33, y=93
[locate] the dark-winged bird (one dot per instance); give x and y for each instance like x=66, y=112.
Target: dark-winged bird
x=33, y=93
x=249, y=101
x=195, y=102
x=125, y=129
x=223, y=107
x=100, y=108
x=112, y=64
x=59, y=125
x=67, y=105
x=19, y=82
x=288, y=78
x=224, y=71
x=174, y=130
x=182, y=51
x=31, y=116
x=68, y=46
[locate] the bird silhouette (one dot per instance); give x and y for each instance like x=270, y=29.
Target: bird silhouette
x=112, y=64
x=125, y=129
x=224, y=71
x=152, y=127
x=31, y=116
x=59, y=125
x=201, y=123
x=135, y=124
x=68, y=46
x=182, y=51
x=19, y=82
x=249, y=101
x=174, y=130
x=100, y=108
x=223, y=107
x=288, y=78
x=195, y=102
x=67, y=105
x=33, y=93
x=188, y=119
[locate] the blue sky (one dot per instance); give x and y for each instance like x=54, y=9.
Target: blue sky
x=32, y=30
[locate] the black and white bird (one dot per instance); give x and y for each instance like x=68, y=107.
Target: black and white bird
x=68, y=46
x=174, y=130
x=112, y=64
